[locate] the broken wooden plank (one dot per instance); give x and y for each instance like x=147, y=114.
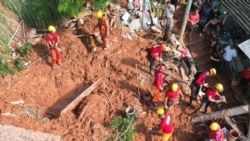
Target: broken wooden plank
x=79, y=98
x=167, y=72
x=222, y=114
x=241, y=135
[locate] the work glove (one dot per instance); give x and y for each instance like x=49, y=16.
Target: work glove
x=58, y=49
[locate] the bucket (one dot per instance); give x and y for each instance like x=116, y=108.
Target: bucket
x=232, y=135
x=146, y=96
x=130, y=110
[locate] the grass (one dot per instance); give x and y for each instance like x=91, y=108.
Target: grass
x=35, y=13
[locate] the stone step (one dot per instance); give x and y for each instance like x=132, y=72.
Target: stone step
x=12, y=133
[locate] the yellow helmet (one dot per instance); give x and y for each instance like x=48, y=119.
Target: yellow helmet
x=212, y=71
x=160, y=111
x=219, y=87
x=99, y=14
x=214, y=126
x=174, y=87
x=52, y=29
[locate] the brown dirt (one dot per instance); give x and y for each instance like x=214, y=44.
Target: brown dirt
x=124, y=72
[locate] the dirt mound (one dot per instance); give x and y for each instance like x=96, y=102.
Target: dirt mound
x=123, y=69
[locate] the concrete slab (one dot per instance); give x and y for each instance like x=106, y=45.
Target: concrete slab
x=134, y=25
x=12, y=133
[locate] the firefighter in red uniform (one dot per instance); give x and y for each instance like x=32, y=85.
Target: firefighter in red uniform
x=198, y=82
x=158, y=82
x=155, y=53
x=215, y=132
x=172, y=95
x=103, y=25
x=165, y=125
x=211, y=96
x=53, y=39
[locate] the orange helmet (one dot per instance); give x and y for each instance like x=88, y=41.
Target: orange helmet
x=163, y=46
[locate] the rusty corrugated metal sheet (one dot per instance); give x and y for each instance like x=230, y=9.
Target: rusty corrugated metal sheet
x=240, y=9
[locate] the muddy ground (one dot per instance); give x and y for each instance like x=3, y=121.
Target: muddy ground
x=124, y=73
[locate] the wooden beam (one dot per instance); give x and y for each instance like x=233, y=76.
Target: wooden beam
x=241, y=135
x=222, y=114
x=169, y=73
x=79, y=98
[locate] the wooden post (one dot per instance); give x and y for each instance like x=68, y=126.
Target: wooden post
x=184, y=21
x=222, y=114
x=242, y=137
x=79, y=98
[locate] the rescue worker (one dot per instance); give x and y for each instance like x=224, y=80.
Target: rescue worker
x=158, y=83
x=103, y=25
x=53, y=40
x=155, y=53
x=215, y=132
x=198, y=82
x=211, y=96
x=165, y=125
x=172, y=95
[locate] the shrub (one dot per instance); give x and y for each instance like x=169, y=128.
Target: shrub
x=70, y=7
x=24, y=49
x=99, y=4
x=19, y=64
x=124, y=126
x=4, y=66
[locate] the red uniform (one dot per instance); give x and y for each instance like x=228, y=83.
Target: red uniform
x=200, y=80
x=216, y=135
x=246, y=74
x=166, y=125
x=158, y=81
x=173, y=96
x=211, y=92
x=104, y=30
x=193, y=17
x=155, y=52
x=53, y=37
x=55, y=53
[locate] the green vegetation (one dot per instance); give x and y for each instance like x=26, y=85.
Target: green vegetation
x=70, y=7
x=99, y=4
x=19, y=64
x=41, y=13
x=124, y=126
x=35, y=13
x=24, y=49
x=5, y=33
x=4, y=66
x=5, y=36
